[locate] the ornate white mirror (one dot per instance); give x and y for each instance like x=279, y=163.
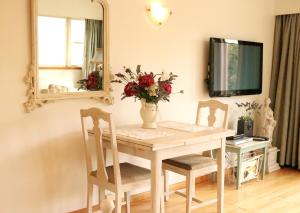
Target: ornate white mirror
x=70, y=52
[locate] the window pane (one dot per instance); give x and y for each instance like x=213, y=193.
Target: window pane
x=77, y=42
x=77, y=54
x=51, y=41
x=77, y=30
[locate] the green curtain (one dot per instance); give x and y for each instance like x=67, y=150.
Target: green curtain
x=93, y=40
x=285, y=88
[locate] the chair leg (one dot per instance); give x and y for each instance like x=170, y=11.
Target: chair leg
x=213, y=177
x=127, y=199
x=193, y=186
x=190, y=180
x=118, y=202
x=101, y=195
x=90, y=198
x=166, y=185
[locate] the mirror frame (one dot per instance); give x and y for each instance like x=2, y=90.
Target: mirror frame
x=36, y=99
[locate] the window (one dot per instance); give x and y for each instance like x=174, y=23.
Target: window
x=60, y=42
x=77, y=42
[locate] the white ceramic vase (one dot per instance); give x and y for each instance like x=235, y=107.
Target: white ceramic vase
x=148, y=113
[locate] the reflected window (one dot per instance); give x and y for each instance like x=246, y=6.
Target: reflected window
x=77, y=42
x=52, y=41
x=60, y=42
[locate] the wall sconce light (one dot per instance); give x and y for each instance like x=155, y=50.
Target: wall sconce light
x=158, y=13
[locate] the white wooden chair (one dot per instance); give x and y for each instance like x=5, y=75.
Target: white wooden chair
x=193, y=166
x=120, y=177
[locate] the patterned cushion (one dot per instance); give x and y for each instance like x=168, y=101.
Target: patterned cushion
x=129, y=173
x=191, y=162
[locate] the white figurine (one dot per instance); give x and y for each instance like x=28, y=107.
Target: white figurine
x=268, y=125
x=268, y=122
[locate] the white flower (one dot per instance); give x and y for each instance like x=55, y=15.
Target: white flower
x=164, y=76
x=152, y=90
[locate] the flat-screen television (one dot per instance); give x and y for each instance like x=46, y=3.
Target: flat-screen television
x=235, y=67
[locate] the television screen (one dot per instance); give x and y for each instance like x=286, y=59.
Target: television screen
x=235, y=67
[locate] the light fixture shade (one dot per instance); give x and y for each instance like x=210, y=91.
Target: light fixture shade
x=158, y=13
x=98, y=56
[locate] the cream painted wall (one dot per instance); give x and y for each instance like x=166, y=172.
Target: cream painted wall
x=287, y=6
x=41, y=154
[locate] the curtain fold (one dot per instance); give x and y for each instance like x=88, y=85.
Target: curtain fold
x=285, y=88
x=93, y=40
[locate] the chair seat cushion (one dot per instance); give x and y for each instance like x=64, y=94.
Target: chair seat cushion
x=191, y=162
x=129, y=173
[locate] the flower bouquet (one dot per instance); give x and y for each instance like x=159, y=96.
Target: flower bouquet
x=92, y=83
x=149, y=88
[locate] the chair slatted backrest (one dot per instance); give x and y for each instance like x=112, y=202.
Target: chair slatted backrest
x=98, y=115
x=213, y=105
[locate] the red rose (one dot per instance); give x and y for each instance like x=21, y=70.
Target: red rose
x=146, y=80
x=130, y=89
x=92, y=82
x=166, y=87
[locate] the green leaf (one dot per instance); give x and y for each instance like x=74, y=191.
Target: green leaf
x=138, y=69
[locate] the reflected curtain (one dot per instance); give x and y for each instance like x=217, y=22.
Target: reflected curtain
x=93, y=40
x=285, y=88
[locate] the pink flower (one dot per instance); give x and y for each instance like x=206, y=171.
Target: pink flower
x=130, y=89
x=166, y=87
x=146, y=80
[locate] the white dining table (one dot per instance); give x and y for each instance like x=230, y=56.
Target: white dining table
x=172, y=141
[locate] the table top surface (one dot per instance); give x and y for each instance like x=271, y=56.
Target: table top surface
x=164, y=136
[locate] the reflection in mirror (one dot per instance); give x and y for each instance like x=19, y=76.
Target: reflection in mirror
x=70, y=46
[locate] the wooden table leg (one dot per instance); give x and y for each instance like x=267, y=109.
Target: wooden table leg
x=162, y=198
x=221, y=175
x=239, y=170
x=156, y=190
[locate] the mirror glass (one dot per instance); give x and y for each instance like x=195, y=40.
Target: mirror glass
x=70, y=44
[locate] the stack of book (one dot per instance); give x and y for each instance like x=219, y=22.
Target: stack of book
x=239, y=141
